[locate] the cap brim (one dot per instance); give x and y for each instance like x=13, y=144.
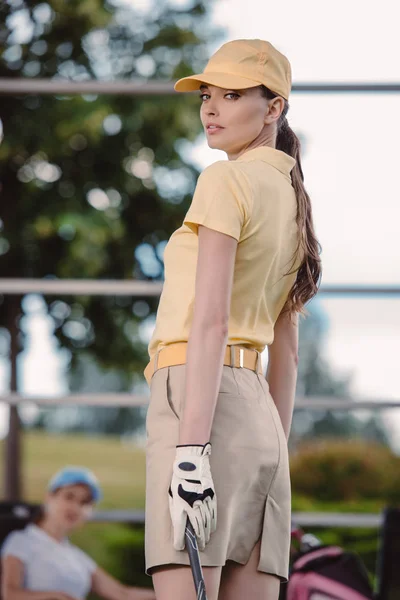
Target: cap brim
x=222, y=80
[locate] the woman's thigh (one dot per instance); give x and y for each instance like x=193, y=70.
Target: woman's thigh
x=245, y=581
x=175, y=582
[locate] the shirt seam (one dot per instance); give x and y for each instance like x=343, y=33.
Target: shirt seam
x=251, y=196
x=250, y=190
x=201, y=220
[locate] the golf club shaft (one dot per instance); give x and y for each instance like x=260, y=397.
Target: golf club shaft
x=193, y=551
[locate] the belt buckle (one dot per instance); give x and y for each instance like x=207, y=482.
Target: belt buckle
x=241, y=357
x=233, y=357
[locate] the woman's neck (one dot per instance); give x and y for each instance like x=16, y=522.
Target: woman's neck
x=52, y=529
x=266, y=138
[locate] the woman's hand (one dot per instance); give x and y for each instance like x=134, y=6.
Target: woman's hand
x=192, y=495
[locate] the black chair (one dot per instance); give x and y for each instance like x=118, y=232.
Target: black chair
x=15, y=515
x=388, y=564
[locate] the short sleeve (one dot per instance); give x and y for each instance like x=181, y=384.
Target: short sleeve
x=222, y=200
x=88, y=563
x=15, y=545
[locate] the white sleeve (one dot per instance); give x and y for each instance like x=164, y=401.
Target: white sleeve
x=85, y=560
x=15, y=545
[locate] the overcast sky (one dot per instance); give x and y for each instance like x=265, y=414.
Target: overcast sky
x=351, y=171
x=350, y=163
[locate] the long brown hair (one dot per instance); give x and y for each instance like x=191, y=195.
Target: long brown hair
x=309, y=272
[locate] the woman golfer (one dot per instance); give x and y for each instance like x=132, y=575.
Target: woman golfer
x=237, y=273
x=39, y=563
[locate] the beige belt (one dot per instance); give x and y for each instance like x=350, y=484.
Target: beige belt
x=175, y=354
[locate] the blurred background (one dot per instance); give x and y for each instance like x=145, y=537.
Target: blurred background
x=93, y=185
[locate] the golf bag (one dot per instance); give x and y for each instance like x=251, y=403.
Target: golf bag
x=328, y=573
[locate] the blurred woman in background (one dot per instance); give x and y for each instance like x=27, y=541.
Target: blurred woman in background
x=39, y=563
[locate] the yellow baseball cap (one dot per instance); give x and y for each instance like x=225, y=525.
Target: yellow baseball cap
x=242, y=64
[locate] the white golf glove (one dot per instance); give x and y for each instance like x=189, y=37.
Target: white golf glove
x=192, y=495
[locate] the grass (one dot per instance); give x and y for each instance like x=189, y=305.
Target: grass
x=119, y=465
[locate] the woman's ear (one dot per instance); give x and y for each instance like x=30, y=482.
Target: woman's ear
x=275, y=108
x=88, y=510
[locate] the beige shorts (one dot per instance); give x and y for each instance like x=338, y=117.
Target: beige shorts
x=249, y=464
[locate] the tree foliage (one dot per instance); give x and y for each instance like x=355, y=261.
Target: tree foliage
x=317, y=378
x=93, y=186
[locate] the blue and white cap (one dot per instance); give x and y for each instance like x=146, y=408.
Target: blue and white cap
x=73, y=476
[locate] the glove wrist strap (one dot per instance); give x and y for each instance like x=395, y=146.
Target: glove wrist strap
x=206, y=448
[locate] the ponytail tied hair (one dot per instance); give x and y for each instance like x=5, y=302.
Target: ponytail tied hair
x=288, y=142
x=307, y=253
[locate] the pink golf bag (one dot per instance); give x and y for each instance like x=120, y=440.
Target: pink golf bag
x=328, y=573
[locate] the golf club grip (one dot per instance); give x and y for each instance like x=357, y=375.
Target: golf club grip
x=193, y=551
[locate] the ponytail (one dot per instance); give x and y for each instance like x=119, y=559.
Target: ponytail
x=309, y=272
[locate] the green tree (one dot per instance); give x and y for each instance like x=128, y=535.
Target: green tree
x=316, y=378
x=93, y=186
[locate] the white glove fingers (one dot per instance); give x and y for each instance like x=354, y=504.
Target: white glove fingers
x=207, y=520
x=200, y=533
x=213, y=509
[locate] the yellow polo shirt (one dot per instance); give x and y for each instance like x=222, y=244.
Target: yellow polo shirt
x=251, y=199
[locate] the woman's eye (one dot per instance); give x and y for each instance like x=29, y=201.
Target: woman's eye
x=230, y=95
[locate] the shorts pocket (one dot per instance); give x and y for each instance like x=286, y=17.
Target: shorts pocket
x=162, y=399
x=173, y=394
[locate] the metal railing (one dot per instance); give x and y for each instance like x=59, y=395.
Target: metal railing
x=17, y=286
x=22, y=85
x=131, y=400
x=113, y=287
x=301, y=519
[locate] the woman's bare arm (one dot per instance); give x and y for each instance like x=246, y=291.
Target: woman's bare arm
x=208, y=334
x=282, y=367
x=12, y=583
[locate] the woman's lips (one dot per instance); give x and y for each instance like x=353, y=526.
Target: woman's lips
x=71, y=518
x=212, y=129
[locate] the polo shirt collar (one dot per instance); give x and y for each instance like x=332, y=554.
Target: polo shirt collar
x=34, y=529
x=277, y=158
